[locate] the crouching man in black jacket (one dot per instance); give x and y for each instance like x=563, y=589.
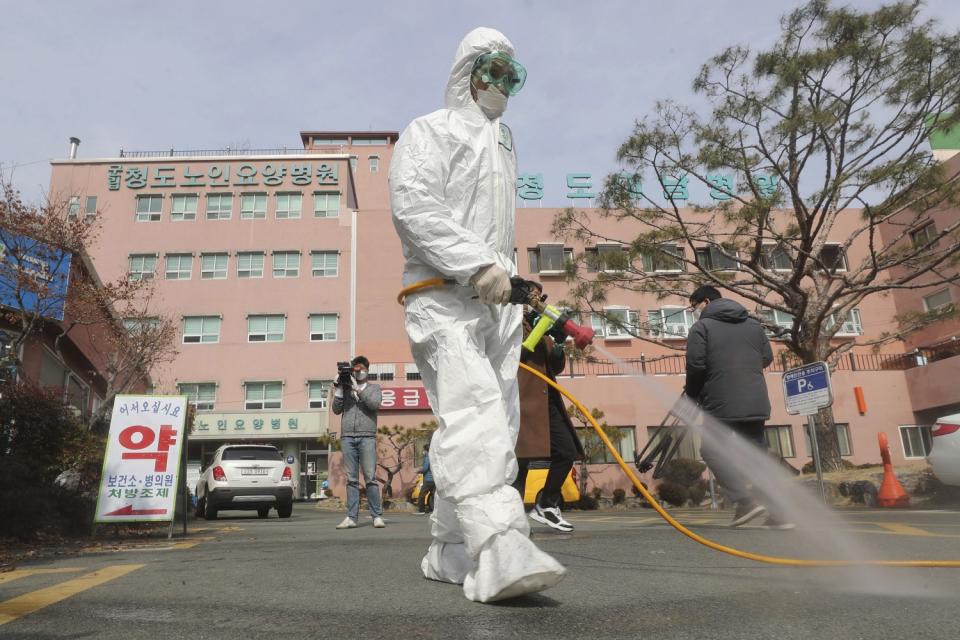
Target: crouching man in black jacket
x=727, y=351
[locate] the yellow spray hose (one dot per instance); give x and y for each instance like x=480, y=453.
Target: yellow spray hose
x=792, y=562
x=417, y=286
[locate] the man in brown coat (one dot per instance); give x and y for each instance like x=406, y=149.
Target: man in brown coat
x=546, y=431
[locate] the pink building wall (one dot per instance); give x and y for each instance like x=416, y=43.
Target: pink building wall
x=378, y=320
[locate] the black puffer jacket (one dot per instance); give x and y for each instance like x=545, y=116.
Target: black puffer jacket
x=727, y=351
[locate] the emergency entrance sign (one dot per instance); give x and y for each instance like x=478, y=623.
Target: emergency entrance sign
x=142, y=461
x=807, y=389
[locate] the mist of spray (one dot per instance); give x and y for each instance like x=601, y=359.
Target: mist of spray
x=820, y=532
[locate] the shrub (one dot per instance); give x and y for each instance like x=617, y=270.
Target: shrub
x=636, y=492
x=328, y=493
x=587, y=503
x=673, y=493
x=619, y=495
x=683, y=471
x=698, y=491
x=597, y=493
x=846, y=464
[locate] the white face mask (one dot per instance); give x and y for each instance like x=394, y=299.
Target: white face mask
x=696, y=315
x=360, y=376
x=492, y=102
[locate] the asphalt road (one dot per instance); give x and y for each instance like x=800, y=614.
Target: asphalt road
x=630, y=576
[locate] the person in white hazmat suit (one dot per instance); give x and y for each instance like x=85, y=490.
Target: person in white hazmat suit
x=452, y=188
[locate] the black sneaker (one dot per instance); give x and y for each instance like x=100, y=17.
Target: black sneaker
x=551, y=517
x=773, y=522
x=746, y=511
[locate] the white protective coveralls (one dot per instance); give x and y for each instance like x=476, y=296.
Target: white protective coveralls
x=452, y=186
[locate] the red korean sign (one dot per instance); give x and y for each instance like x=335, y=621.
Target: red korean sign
x=141, y=465
x=404, y=399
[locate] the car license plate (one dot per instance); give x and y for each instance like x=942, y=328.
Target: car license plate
x=251, y=471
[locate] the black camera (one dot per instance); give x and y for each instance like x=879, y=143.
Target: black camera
x=344, y=374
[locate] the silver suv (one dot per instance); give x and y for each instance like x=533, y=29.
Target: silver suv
x=250, y=477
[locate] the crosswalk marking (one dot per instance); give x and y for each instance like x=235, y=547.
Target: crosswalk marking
x=10, y=576
x=29, y=602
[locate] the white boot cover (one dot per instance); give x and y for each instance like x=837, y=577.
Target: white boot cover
x=447, y=562
x=510, y=565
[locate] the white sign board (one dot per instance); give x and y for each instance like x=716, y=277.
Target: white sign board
x=807, y=389
x=141, y=465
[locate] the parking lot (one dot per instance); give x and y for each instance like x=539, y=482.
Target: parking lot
x=629, y=576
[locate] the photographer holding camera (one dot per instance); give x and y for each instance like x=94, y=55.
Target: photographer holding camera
x=358, y=402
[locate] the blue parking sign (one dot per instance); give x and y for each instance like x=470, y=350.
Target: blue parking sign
x=807, y=389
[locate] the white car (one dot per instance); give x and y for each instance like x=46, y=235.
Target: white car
x=250, y=477
x=945, y=451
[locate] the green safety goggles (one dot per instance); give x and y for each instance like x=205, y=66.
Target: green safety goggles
x=500, y=70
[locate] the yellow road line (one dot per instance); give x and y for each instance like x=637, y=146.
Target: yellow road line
x=10, y=576
x=29, y=602
x=895, y=528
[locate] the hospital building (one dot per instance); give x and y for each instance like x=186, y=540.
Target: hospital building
x=279, y=263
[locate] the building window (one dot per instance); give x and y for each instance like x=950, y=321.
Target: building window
x=148, y=208
x=289, y=205
x=549, y=258
x=253, y=206
x=219, y=206
x=916, y=441
x=201, y=329
x=776, y=318
x=374, y=163
x=670, y=323
x=266, y=328
x=924, y=235
x=834, y=258
x=619, y=323
x=286, y=264
x=843, y=439
x=139, y=325
x=713, y=259
x=142, y=266
x=91, y=206
x=201, y=395
x=76, y=394
x=606, y=257
x=667, y=258
x=318, y=392
x=213, y=266
x=688, y=448
x=326, y=204
x=184, y=207
x=937, y=300
x=263, y=395
x=382, y=371
x=411, y=371
x=774, y=257
x=780, y=440
x=323, y=327
x=625, y=445
x=73, y=207
x=324, y=264
x=179, y=266
x=851, y=325
x=250, y=264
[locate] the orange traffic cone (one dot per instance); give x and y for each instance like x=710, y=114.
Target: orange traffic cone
x=892, y=493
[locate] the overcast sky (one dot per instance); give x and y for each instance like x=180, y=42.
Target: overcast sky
x=203, y=75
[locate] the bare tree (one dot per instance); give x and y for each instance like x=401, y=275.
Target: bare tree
x=827, y=126
x=396, y=448
x=593, y=446
x=48, y=287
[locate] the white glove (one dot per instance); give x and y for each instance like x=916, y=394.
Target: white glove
x=492, y=284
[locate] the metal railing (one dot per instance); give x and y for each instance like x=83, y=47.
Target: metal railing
x=675, y=364
x=183, y=153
